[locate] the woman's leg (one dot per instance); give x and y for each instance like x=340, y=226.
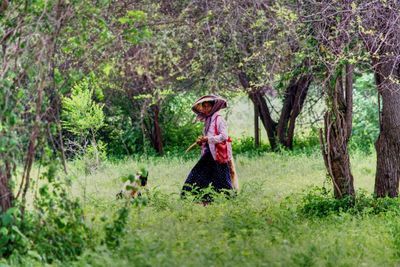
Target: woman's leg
x=222, y=176
x=199, y=177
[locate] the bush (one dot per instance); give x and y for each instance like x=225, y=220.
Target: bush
x=116, y=229
x=54, y=230
x=82, y=116
x=247, y=145
x=319, y=202
x=57, y=227
x=307, y=143
x=11, y=237
x=179, y=128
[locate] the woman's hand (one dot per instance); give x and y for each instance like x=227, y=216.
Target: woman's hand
x=201, y=140
x=198, y=141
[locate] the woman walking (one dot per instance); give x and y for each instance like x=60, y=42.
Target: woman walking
x=215, y=166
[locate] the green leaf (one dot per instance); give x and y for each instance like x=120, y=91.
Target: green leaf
x=4, y=240
x=6, y=219
x=129, y=187
x=34, y=254
x=16, y=230
x=13, y=211
x=125, y=20
x=3, y=231
x=138, y=15
x=108, y=68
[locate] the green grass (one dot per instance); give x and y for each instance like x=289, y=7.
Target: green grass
x=278, y=175
x=262, y=226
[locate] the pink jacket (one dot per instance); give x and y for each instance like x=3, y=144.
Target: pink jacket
x=213, y=139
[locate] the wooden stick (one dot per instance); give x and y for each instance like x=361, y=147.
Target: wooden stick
x=191, y=146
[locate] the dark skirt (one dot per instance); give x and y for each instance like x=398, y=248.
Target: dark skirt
x=207, y=172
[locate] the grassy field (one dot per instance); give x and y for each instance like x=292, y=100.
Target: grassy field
x=262, y=226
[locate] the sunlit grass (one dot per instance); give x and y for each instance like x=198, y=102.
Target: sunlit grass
x=260, y=227
x=278, y=174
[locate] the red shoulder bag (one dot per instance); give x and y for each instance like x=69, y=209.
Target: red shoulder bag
x=221, y=149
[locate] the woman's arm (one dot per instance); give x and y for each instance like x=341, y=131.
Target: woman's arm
x=222, y=129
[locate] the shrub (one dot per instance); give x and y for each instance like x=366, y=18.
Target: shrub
x=247, y=145
x=56, y=226
x=11, y=237
x=307, y=143
x=83, y=117
x=177, y=122
x=319, y=202
x=54, y=230
x=116, y=229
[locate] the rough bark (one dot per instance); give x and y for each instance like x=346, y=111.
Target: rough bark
x=258, y=100
x=6, y=194
x=152, y=128
x=256, y=128
x=388, y=143
x=295, y=96
x=156, y=135
x=381, y=38
x=337, y=131
x=3, y=6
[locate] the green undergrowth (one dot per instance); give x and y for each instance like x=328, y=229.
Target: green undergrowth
x=282, y=216
x=319, y=202
x=253, y=231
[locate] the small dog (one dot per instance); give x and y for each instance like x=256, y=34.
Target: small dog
x=133, y=185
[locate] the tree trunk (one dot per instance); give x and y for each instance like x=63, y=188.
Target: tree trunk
x=257, y=97
x=337, y=131
x=6, y=194
x=156, y=131
x=256, y=128
x=269, y=124
x=388, y=143
x=153, y=129
x=3, y=6
x=295, y=96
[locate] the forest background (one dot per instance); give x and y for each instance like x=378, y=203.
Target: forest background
x=92, y=90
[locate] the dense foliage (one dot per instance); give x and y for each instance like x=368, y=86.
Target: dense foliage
x=88, y=84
